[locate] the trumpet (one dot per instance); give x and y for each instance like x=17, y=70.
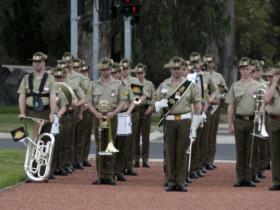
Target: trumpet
x=137, y=100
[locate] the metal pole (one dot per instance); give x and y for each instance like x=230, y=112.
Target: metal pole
x=74, y=27
x=127, y=38
x=95, y=40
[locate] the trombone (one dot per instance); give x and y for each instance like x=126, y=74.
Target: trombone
x=105, y=123
x=259, y=122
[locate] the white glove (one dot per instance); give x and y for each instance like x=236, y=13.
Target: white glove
x=161, y=104
x=204, y=116
x=55, y=125
x=196, y=120
x=192, y=77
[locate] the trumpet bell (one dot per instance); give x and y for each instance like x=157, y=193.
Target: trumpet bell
x=137, y=101
x=111, y=148
x=264, y=134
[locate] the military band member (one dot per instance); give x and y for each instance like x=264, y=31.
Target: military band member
x=77, y=102
x=127, y=82
x=87, y=117
x=272, y=98
x=37, y=93
x=76, y=76
x=184, y=68
x=208, y=91
x=262, y=145
x=145, y=110
x=59, y=158
x=105, y=101
x=175, y=95
x=240, y=117
x=214, y=117
x=116, y=71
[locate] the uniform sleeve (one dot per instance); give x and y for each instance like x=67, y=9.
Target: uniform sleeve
x=230, y=96
x=88, y=96
x=212, y=86
x=157, y=94
x=22, y=86
x=83, y=83
x=223, y=82
x=123, y=94
x=196, y=96
x=63, y=100
x=53, y=86
x=152, y=94
x=131, y=95
x=79, y=92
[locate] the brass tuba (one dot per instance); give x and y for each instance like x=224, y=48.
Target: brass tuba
x=67, y=90
x=40, y=147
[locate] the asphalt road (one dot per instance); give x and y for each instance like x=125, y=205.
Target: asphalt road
x=225, y=151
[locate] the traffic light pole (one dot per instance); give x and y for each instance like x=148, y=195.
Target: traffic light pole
x=127, y=38
x=95, y=40
x=74, y=28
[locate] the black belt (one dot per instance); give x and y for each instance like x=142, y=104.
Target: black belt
x=274, y=116
x=38, y=94
x=244, y=117
x=30, y=108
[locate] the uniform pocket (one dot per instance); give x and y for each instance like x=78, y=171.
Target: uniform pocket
x=239, y=95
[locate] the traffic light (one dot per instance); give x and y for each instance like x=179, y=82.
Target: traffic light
x=131, y=7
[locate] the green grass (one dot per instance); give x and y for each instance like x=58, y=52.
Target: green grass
x=9, y=118
x=9, y=109
x=9, y=121
x=11, y=167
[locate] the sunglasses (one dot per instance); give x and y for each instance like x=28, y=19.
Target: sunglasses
x=105, y=70
x=139, y=73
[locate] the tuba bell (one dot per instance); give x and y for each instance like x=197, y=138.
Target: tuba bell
x=67, y=90
x=40, y=147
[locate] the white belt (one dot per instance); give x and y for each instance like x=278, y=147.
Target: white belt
x=179, y=116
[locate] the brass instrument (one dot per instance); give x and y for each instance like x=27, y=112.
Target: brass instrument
x=67, y=90
x=138, y=92
x=105, y=123
x=259, y=125
x=137, y=100
x=221, y=95
x=39, y=151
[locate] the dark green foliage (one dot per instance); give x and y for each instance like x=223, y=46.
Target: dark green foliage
x=30, y=26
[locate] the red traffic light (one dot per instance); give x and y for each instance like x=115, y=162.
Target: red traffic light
x=131, y=7
x=134, y=9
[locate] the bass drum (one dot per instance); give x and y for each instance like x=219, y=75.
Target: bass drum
x=124, y=124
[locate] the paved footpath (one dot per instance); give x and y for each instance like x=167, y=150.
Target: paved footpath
x=145, y=191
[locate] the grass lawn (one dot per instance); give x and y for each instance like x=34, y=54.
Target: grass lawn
x=11, y=167
x=9, y=118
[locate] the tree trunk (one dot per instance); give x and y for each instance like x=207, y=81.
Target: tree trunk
x=226, y=49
